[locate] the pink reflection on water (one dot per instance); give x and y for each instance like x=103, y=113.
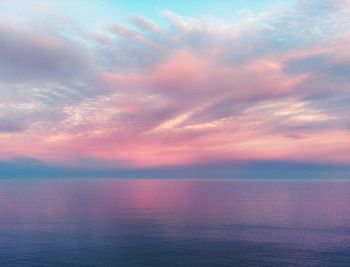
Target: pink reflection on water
x=247, y=210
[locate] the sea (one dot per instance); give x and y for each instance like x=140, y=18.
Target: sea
x=177, y=222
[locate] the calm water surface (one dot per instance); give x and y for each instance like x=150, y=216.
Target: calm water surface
x=174, y=223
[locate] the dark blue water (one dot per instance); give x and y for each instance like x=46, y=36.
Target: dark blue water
x=174, y=223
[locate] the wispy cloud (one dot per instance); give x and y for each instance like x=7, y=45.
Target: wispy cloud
x=272, y=86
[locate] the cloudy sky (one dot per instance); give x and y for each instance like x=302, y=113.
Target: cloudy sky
x=175, y=88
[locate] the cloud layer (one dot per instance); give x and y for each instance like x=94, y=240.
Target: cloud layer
x=187, y=91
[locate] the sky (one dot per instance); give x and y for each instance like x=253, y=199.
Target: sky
x=214, y=89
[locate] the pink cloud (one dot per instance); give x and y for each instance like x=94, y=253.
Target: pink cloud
x=151, y=97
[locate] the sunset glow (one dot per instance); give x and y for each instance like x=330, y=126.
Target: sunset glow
x=151, y=85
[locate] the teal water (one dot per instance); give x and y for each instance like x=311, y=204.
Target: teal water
x=174, y=223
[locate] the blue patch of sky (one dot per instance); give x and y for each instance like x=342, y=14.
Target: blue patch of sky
x=94, y=15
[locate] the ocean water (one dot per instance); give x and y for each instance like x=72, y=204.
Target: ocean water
x=174, y=223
